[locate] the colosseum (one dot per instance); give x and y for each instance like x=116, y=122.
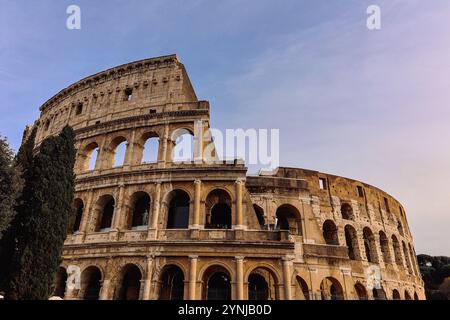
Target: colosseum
x=150, y=227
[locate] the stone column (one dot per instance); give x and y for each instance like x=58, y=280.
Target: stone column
x=239, y=208
x=104, y=292
x=129, y=154
x=192, y=277
x=165, y=141
x=148, y=279
x=240, y=278
x=379, y=253
x=118, y=210
x=197, y=204
x=153, y=226
x=287, y=261
x=198, y=147
x=86, y=212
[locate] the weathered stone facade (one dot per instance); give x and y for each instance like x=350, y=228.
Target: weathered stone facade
x=167, y=230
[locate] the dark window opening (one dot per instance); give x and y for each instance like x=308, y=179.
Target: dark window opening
x=347, y=211
x=141, y=211
x=131, y=284
x=179, y=211
x=219, y=287
x=258, y=289
x=330, y=233
x=386, y=204
x=220, y=217
x=152, y=111
x=172, y=287
x=128, y=94
x=360, y=191
x=91, y=282
x=79, y=109
x=107, y=215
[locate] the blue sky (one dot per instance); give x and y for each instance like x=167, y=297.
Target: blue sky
x=370, y=105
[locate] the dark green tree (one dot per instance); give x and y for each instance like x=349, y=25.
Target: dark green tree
x=11, y=184
x=14, y=234
x=44, y=226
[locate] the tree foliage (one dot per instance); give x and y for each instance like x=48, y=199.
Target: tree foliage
x=44, y=214
x=435, y=273
x=11, y=184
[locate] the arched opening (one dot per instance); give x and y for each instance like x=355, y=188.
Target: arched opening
x=378, y=294
x=407, y=295
x=361, y=292
x=131, y=283
x=105, y=208
x=218, y=208
x=369, y=245
x=347, y=211
x=351, y=240
x=259, y=212
x=217, y=284
x=397, y=251
x=416, y=297
x=331, y=289
x=118, y=149
x=140, y=210
x=183, y=150
x=330, y=233
x=172, y=284
x=258, y=289
x=262, y=285
x=88, y=158
x=60, y=283
x=75, y=217
x=400, y=228
x=91, y=283
x=301, y=289
x=395, y=295
x=150, y=149
x=288, y=218
x=413, y=256
x=407, y=258
x=178, y=217
x=384, y=244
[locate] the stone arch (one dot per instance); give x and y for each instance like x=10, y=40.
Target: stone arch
x=116, y=152
x=91, y=279
x=171, y=283
x=407, y=258
x=87, y=158
x=370, y=245
x=139, y=210
x=104, y=209
x=183, y=145
x=331, y=289
x=301, y=291
x=407, y=295
x=384, y=245
x=351, y=240
x=378, y=294
x=262, y=284
x=60, y=282
x=288, y=218
x=178, y=209
x=361, y=292
x=130, y=283
x=395, y=295
x=259, y=212
x=397, y=251
x=147, y=150
x=347, y=211
x=330, y=233
x=218, y=210
x=216, y=283
x=76, y=216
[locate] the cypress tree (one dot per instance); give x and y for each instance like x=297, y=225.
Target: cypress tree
x=11, y=184
x=36, y=259
x=14, y=234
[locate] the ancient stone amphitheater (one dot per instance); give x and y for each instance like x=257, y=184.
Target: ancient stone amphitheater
x=151, y=227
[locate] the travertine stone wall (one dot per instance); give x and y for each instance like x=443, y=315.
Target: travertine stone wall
x=292, y=234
